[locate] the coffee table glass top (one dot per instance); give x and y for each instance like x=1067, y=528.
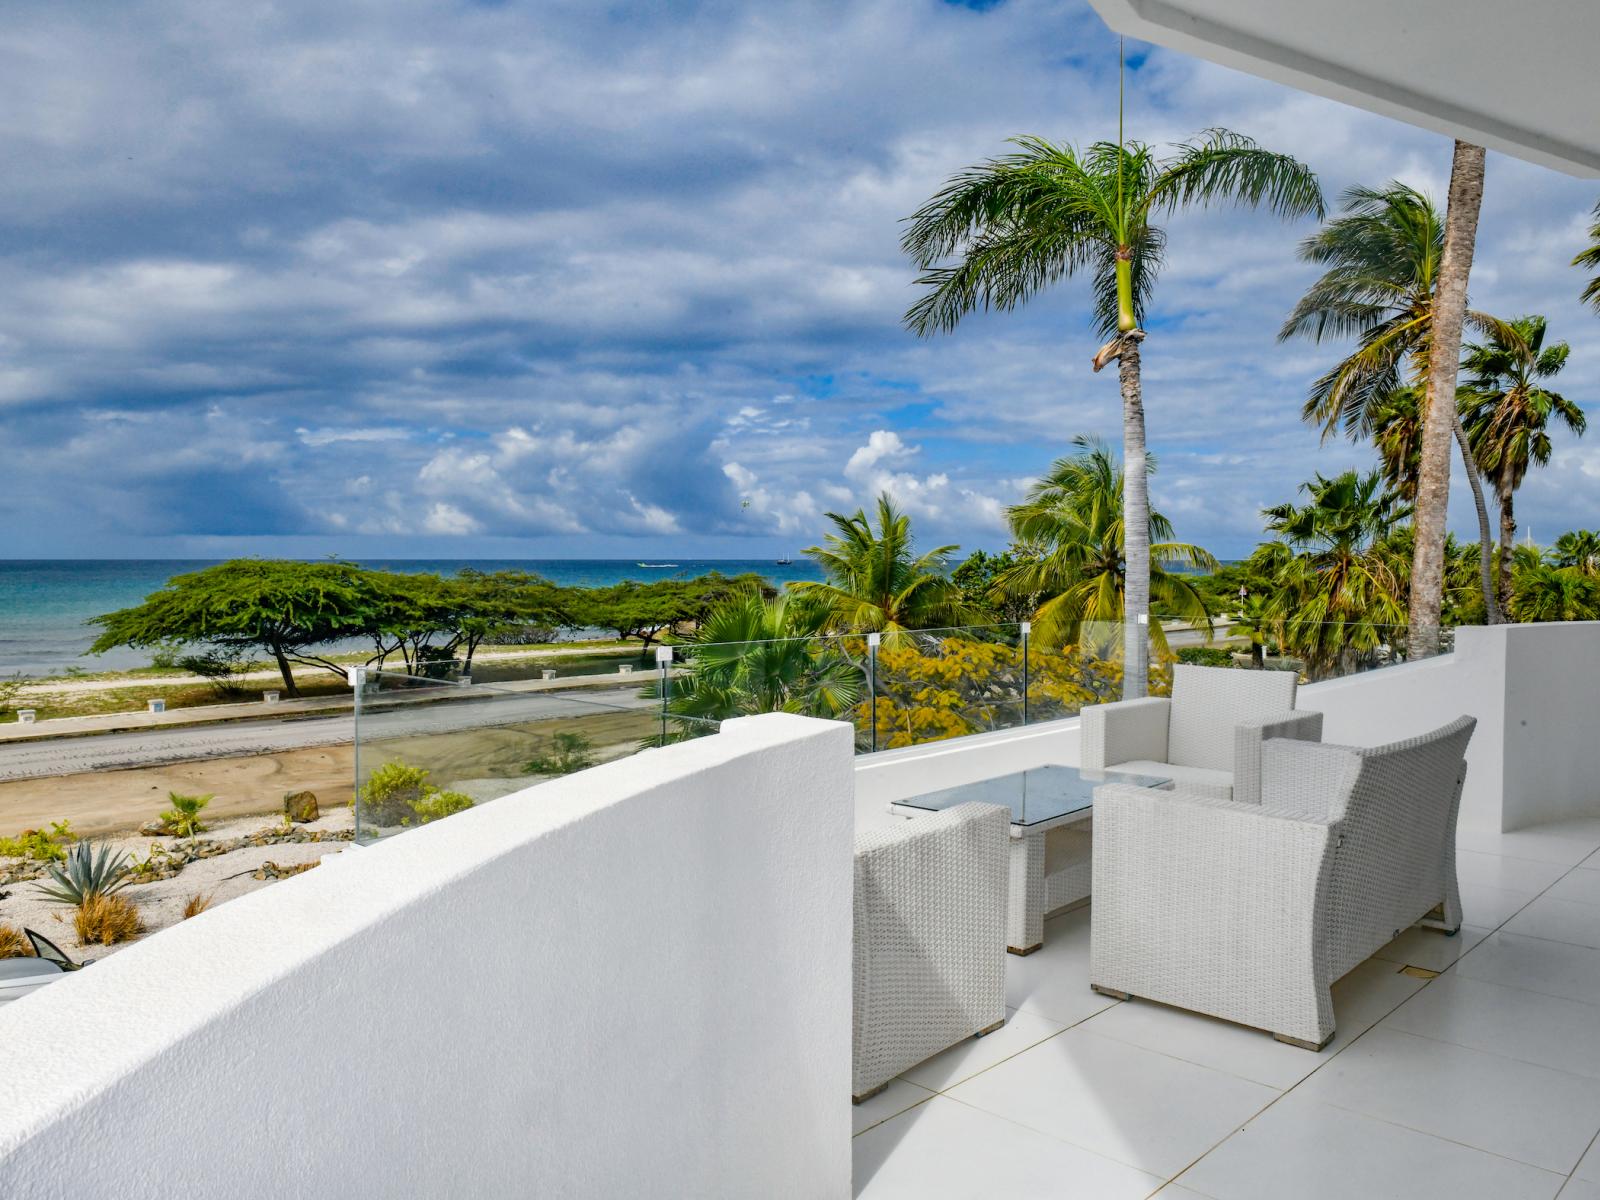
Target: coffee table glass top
x=1035, y=795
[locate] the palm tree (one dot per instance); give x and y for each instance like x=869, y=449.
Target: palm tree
x=1072, y=523
x=1544, y=592
x=1579, y=548
x=1396, y=419
x=1383, y=257
x=1507, y=412
x=757, y=655
x=876, y=581
x=1338, y=585
x=1591, y=258
x=1440, y=416
x=998, y=233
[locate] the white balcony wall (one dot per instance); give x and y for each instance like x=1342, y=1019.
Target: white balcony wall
x=634, y=981
x=1535, y=755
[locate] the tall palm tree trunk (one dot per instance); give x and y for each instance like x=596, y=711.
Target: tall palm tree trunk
x=1508, y=536
x=1433, y=485
x=1491, y=607
x=1135, y=525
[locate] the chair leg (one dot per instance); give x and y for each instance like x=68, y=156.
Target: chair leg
x=868, y=1094
x=988, y=1029
x=1438, y=921
x=1301, y=1042
x=1112, y=992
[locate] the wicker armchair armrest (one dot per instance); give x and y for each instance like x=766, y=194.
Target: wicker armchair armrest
x=1209, y=905
x=1124, y=731
x=1297, y=724
x=1308, y=778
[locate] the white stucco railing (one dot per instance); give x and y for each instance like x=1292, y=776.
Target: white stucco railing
x=630, y=981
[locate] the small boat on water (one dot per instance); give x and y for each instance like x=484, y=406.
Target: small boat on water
x=785, y=561
x=655, y=566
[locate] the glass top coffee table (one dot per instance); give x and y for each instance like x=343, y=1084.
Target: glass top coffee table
x=1050, y=810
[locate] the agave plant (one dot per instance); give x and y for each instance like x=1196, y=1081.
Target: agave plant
x=89, y=871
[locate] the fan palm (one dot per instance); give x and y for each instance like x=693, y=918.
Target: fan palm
x=1073, y=522
x=757, y=655
x=1338, y=585
x=1507, y=411
x=1383, y=258
x=876, y=581
x=1544, y=592
x=1580, y=548
x=998, y=233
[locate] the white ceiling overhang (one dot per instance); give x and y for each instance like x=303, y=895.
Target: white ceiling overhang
x=1519, y=76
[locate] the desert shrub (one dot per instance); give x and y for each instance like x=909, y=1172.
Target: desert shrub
x=1206, y=656
x=10, y=692
x=183, y=818
x=197, y=904
x=106, y=919
x=38, y=844
x=439, y=804
x=522, y=635
x=14, y=943
x=87, y=872
x=562, y=755
x=220, y=668
x=391, y=790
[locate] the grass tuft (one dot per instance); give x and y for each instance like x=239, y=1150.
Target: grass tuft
x=106, y=919
x=197, y=904
x=13, y=944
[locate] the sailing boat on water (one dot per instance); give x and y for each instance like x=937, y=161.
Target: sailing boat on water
x=785, y=561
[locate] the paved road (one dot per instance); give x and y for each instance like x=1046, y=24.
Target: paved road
x=153, y=747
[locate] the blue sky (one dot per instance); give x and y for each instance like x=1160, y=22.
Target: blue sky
x=453, y=279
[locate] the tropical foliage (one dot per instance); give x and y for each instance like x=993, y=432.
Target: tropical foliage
x=755, y=655
x=1071, y=527
x=1508, y=408
x=1338, y=583
x=876, y=581
x=1382, y=256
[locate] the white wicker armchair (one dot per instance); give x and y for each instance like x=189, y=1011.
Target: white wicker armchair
x=1251, y=912
x=1207, y=738
x=930, y=937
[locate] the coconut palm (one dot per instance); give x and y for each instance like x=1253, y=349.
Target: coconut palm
x=1507, y=411
x=754, y=655
x=1072, y=522
x=1591, y=258
x=998, y=233
x=1383, y=256
x=1441, y=419
x=876, y=581
x=1338, y=583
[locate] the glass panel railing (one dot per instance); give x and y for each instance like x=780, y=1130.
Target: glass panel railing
x=933, y=684
x=426, y=748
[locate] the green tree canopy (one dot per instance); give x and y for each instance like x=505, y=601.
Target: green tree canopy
x=277, y=605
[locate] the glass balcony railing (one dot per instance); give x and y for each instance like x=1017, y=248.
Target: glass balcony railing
x=910, y=687
x=431, y=745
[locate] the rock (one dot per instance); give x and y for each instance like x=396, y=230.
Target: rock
x=153, y=829
x=301, y=807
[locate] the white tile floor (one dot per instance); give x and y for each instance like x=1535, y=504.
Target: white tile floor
x=1481, y=1083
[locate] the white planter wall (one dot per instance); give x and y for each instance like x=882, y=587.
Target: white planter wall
x=631, y=982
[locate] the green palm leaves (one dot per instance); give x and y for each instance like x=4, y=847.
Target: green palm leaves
x=1591, y=258
x=754, y=655
x=1072, y=519
x=1019, y=222
x=1338, y=579
x=876, y=580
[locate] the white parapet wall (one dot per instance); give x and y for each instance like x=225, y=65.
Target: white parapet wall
x=1535, y=755
x=634, y=981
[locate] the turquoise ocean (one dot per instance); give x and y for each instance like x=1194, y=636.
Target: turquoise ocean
x=45, y=604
